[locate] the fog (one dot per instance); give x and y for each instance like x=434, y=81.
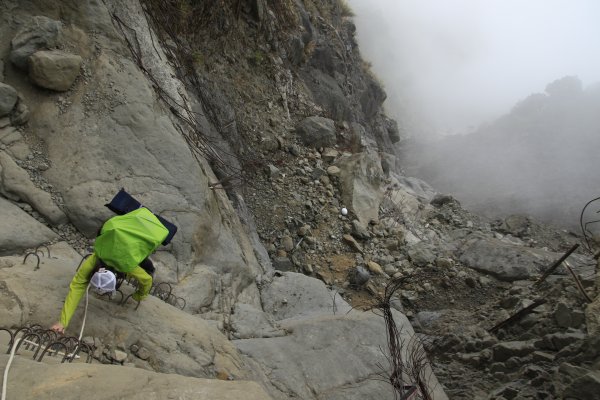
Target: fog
x=516, y=78
x=449, y=65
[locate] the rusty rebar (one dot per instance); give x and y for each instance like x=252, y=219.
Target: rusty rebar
x=518, y=315
x=577, y=281
x=556, y=264
x=37, y=266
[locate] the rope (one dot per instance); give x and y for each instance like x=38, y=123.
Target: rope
x=5, y=379
x=16, y=343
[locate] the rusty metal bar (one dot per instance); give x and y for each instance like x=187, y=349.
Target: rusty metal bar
x=556, y=264
x=37, y=266
x=577, y=281
x=518, y=315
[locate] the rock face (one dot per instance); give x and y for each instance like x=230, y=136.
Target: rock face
x=55, y=70
x=110, y=382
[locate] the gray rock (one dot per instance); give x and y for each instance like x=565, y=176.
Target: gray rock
x=592, y=317
x=572, y=371
x=360, y=231
x=287, y=243
x=16, y=184
x=118, y=356
x=20, y=115
x=427, y=318
x=567, y=318
x=421, y=254
x=8, y=99
x=37, y=380
x=326, y=92
x=558, y=340
x=505, y=350
x=55, y=70
x=283, y=264
x=273, y=171
x=30, y=233
x=329, y=155
x=39, y=33
x=333, y=171
x=372, y=97
x=1, y=71
x=585, y=388
x=359, y=276
x=321, y=355
x=441, y=200
x=517, y=225
x=504, y=261
x=248, y=322
x=317, y=132
x=304, y=296
x=361, y=181
x=353, y=243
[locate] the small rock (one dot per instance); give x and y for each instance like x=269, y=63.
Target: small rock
x=333, y=171
x=353, y=243
x=304, y=230
x=375, y=268
x=288, y=243
x=359, y=231
x=118, y=356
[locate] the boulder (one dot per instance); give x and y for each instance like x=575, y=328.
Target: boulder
x=55, y=70
x=8, y=99
x=39, y=33
x=316, y=131
x=361, y=180
x=30, y=233
x=505, y=261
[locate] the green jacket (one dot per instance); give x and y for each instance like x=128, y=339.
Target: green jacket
x=81, y=281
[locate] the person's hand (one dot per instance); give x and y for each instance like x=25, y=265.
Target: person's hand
x=58, y=328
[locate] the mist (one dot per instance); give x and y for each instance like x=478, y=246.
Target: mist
x=499, y=98
x=448, y=66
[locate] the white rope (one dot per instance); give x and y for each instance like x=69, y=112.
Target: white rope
x=17, y=341
x=5, y=379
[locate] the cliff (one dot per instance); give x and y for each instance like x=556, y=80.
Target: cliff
x=249, y=124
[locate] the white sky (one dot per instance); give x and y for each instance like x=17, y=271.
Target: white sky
x=459, y=62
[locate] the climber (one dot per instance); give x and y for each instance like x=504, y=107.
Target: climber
x=104, y=281
x=123, y=245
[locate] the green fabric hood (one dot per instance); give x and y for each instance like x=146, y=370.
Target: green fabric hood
x=126, y=240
